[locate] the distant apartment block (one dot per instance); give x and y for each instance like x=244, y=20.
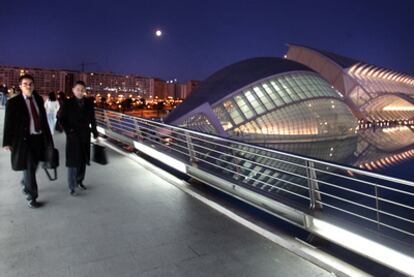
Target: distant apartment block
x=47, y=80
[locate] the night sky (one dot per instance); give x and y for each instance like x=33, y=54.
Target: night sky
x=200, y=37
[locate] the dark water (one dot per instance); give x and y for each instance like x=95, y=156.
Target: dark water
x=402, y=170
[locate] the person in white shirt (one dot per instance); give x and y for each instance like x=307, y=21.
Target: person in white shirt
x=52, y=107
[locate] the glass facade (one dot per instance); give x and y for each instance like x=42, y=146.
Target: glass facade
x=295, y=104
x=233, y=111
x=201, y=123
x=316, y=117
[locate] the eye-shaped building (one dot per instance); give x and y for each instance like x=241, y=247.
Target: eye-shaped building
x=267, y=100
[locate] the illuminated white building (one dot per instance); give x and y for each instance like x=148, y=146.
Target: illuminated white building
x=372, y=92
x=266, y=100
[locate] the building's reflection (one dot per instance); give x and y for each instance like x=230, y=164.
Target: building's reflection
x=371, y=149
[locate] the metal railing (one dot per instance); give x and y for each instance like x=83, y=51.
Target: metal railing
x=323, y=189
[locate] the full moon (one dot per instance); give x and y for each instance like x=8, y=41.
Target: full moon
x=158, y=33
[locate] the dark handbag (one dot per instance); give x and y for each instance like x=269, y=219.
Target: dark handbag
x=52, y=162
x=99, y=154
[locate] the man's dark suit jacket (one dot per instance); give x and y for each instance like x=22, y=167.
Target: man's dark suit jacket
x=17, y=131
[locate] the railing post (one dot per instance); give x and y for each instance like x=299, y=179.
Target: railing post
x=313, y=186
x=190, y=148
x=377, y=207
x=137, y=130
x=107, y=121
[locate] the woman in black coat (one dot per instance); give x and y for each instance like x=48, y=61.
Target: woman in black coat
x=77, y=117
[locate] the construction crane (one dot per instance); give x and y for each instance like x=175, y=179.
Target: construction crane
x=83, y=64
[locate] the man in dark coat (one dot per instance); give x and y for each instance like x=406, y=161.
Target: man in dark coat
x=77, y=117
x=27, y=135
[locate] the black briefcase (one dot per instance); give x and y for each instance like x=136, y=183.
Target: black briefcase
x=51, y=162
x=99, y=154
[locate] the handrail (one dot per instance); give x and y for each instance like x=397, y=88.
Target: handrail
x=217, y=137
x=275, y=173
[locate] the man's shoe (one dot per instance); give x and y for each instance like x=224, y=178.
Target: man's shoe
x=33, y=204
x=82, y=186
x=73, y=192
x=25, y=192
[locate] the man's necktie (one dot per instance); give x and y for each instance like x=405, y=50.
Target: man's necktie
x=35, y=115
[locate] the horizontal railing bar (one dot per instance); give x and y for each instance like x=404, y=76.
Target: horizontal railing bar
x=257, y=154
x=368, y=219
x=291, y=173
x=173, y=149
x=395, y=203
x=396, y=216
x=251, y=161
x=303, y=187
x=345, y=211
x=396, y=229
x=360, y=172
x=250, y=170
x=279, y=188
x=364, y=206
x=318, y=170
x=346, y=200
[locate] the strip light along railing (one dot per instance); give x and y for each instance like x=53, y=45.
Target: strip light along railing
x=314, y=186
